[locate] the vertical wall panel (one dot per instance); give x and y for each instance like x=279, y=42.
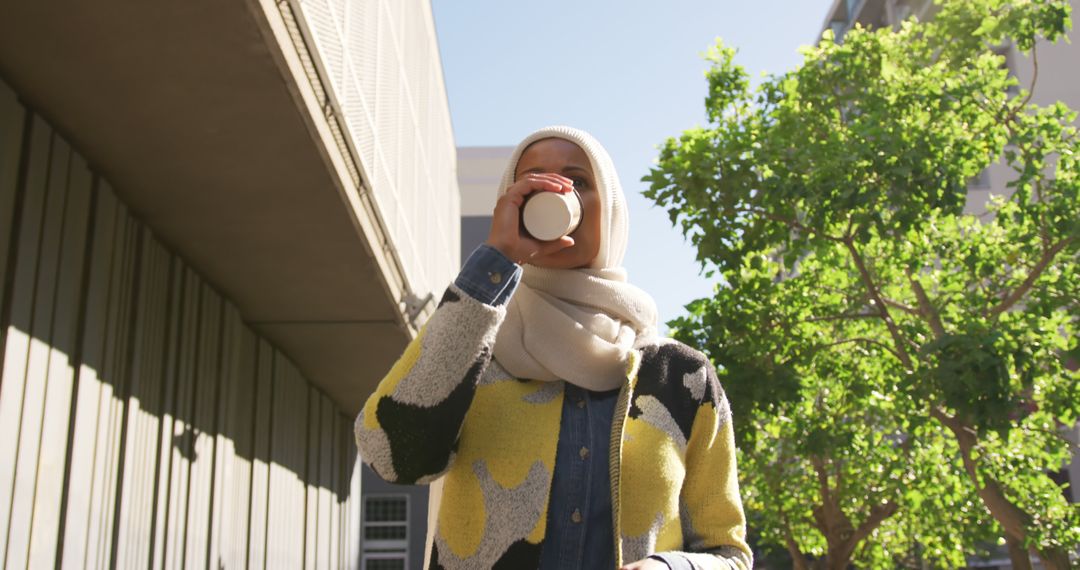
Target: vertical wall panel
x=203, y=416
x=83, y=432
x=223, y=446
x=17, y=334
x=338, y=525
x=323, y=484
x=37, y=359
x=110, y=404
x=311, y=491
x=59, y=380
x=167, y=406
x=241, y=417
x=354, y=504
x=143, y=423
x=262, y=432
x=12, y=120
x=182, y=442
x=232, y=478
x=334, y=532
x=285, y=535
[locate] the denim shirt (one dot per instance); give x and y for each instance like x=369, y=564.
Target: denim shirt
x=579, y=531
x=579, y=525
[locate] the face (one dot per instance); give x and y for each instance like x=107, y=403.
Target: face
x=566, y=158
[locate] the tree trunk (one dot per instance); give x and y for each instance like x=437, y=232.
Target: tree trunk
x=841, y=536
x=1018, y=555
x=839, y=562
x=1011, y=517
x=1054, y=558
x=797, y=557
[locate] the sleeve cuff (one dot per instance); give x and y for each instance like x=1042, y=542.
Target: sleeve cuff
x=489, y=276
x=673, y=560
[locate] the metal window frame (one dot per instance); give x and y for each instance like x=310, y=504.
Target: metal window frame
x=366, y=556
x=380, y=547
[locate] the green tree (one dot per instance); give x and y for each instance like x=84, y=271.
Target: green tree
x=897, y=368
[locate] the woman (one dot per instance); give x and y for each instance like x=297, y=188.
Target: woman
x=569, y=434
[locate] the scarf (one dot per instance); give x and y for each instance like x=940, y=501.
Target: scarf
x=578, y=325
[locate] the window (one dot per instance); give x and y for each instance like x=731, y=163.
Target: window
x=839, y=28
x=853, y=9
x=980, y=181
x=386, y=532
x=384, y=561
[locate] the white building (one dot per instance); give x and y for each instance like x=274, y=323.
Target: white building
x=480, y=170
x=220, y=223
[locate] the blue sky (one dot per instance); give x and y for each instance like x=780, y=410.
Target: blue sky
x=628, y=71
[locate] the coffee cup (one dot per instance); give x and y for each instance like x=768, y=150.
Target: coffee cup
x=548, y=216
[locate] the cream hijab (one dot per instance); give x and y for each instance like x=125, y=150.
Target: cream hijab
x=578, y=325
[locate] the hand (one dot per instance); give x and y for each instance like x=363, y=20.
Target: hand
x=646, y=564
x=507, y=235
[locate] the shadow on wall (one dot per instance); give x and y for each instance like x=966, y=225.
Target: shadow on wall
x=144, y=423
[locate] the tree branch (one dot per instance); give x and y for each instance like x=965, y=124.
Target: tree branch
x=901, y=306
x=868, y=282
x=861, y=339
x=1011, y=517
x=830, y=516
x=926, y=307
x=1034, y=74
x=842, y=317
x=1017, y=294
x=878, y=514
x=790, y=543
x=797, y=557
x=794, y=224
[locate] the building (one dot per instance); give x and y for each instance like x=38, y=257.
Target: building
x=1057, y=81
x=480, y=170
x=220, y=223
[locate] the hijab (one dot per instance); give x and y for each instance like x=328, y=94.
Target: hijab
x=578, y=325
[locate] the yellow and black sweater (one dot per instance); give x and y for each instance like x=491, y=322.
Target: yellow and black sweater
x=448, y=408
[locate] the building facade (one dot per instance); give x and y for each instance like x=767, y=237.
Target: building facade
x=220, y=223
x=480, y=170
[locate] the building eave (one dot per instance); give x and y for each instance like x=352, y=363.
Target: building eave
x=201, y=117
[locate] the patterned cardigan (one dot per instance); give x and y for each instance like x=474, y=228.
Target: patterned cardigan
x=447, y=408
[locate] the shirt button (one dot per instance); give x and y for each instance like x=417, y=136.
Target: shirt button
x=576, y=517
x=581, y=402
x=495, y=277
x=584, y=452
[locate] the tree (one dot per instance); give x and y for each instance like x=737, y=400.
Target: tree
x=892, y=363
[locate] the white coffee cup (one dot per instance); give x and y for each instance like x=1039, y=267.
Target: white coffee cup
x=548, y=216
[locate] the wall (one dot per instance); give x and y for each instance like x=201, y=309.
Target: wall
x=144, y=424
x=372, y=484
x=480, y=170
x=381, y=60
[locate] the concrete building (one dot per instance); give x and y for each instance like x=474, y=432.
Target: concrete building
x=1057, y=80
x=220, y=223
x=480, y=170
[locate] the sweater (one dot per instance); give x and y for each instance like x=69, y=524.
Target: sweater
x=448, y=409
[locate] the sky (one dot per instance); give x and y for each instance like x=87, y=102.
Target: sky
x=628, y=71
